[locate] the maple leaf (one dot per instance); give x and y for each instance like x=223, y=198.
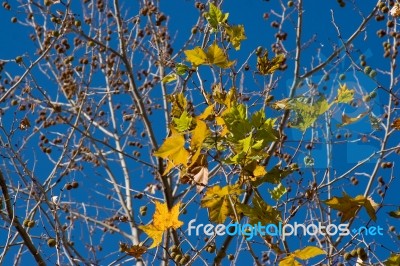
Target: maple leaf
x=393, y=260
x=216, y=56
x=163, y=219
x=218, y=203
x=196, y=56
x=174, y=150
x=215, y=17
x=169, y=78
x=266, y=66
x=135, y=250
x=260, y=212
x=201, y=179
x=347, y=120
x=236, y=35
x=396, y=123
x=349, y=206
x=302, y=254
x=344, y=94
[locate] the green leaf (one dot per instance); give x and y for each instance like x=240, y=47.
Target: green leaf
x=274, y=176
x=218, y=201
x=308, y=161
x=260, y=212
x=236, y=35
x=393, y=260
x=375, y=123
x=196, y=56
x=345, y=95
x=181, y=69
x=169, y=78
x=215, y=17
x=308, y=253
x=236, y=122
x=278, y=191
x=306, y=113
x=184, y=122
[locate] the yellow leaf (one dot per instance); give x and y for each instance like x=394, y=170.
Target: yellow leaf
x=221, y=122
x=308, y=253
x=154, y=233
x=289, y=261
x=266, y=66
x=236, y=35
x=196, y=56
x=173, y=149
x=200, y=133
x=206, y=113
x=217, y=200
x=169, y=78
x=179, y=104
x=282, y=104
x=163, y=219
x=346, y=120
x=259, y=171
x=216, y=56
x=344, y=94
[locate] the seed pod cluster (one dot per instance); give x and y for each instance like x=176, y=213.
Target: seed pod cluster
x=177, y=255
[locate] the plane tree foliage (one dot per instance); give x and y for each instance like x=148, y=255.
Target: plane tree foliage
x=121, y=122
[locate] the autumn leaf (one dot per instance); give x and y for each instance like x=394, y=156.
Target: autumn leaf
x=236, y=35
x=169, y=78
x=215, y=17
x=396, y=124
x=196, y=56
x=349, y=206
x=174, y=150
x=266, y=66
x=201, y=179
x=289, y=261
x=347, y=120
x=393, y=260
x=183, y=122
x=163, y=219
x=308, y=253
x=179, y=104
x=278, y=191
x=395, y=214
x=303, y=254
x=345, y=95
x=305, y=112
x=218, y=203
x=135, y=250
x=216, y=56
